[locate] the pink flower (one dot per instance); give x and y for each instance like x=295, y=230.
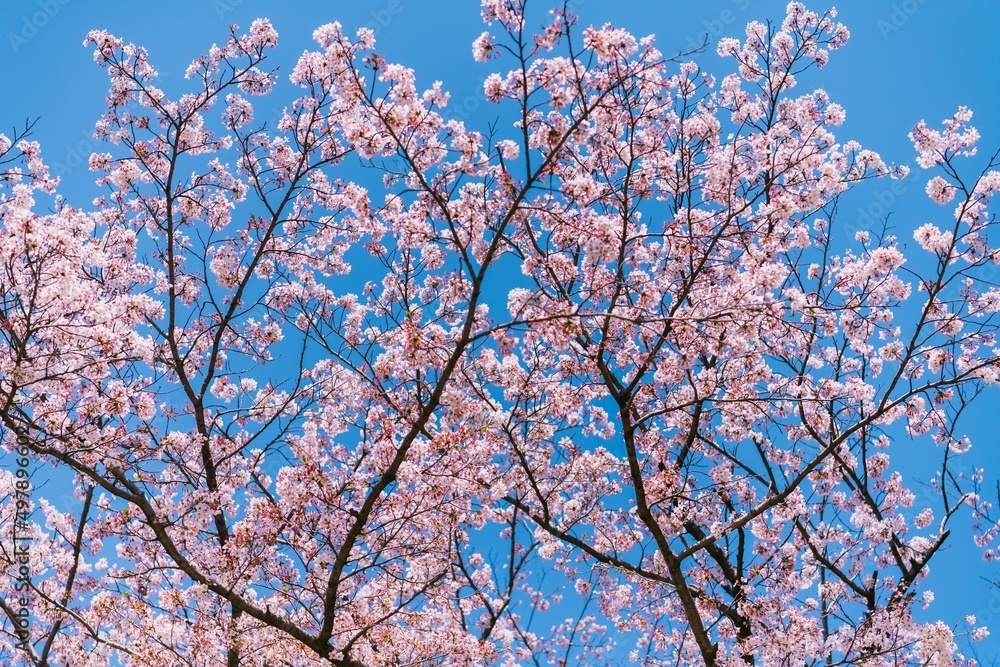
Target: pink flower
x=940, y=191
x=263, y=34
x=932, y=239
x=483, y=49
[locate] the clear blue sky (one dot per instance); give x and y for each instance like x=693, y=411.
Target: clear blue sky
x=907, y=60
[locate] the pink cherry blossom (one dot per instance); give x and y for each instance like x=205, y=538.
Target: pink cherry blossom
x=610, y=381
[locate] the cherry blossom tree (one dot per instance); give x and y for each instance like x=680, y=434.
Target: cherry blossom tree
x=606, y=383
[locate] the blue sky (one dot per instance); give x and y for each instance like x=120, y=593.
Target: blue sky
x=907, y=60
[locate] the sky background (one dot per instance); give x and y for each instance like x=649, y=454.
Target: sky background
x=906, y=60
